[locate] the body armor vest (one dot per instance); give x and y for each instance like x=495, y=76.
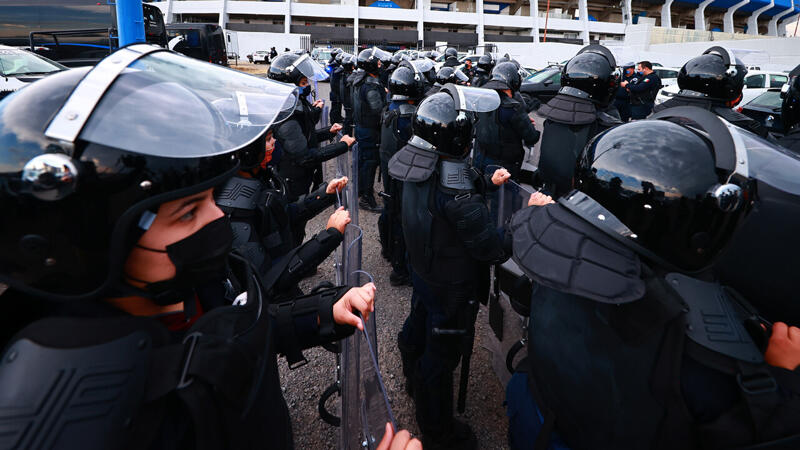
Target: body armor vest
x=391, y=141
x=362, y=115
x=621, y=356
x=434, y=249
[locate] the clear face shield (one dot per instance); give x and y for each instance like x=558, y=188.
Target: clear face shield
x=151, y=101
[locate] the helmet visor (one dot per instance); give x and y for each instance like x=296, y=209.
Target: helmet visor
x=170, y=105
x=472, y=98
x=382, y=55
x=422, y=65
x=460, y=76
x=309, y=68
x=770, y=163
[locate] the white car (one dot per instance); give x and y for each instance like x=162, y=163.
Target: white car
x=668, y=75
x=261, y=57
x=755, y=83
x=19, y=67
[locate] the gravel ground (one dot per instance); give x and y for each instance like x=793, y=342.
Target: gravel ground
x=303, y=387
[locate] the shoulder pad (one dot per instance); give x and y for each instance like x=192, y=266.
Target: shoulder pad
x=372, y=81
x=84, y=394
x=569, y=110
x=560, y=250
x=608, y=120
x=240, y=193
x=406, y=109
x=412, y=163
x=713, y=320
x=456, y=176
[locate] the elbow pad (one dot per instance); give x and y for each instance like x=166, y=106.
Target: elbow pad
x=475, y=229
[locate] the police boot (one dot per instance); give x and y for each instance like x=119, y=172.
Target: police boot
x=409, y=355
x=367, y=202
x=399, y=277
x=440, y=431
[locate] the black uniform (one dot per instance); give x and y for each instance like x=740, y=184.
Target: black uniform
x=791, y=140
x=643, y=89
x=451, y=61
x=395, y=133
x=480, y=78
x=450, y=240
x=346, y=94
x=369, y=99
x=718, y=107
x=501, y=134
x=337, y=79
x=570, y=122
x=622, y=100
x=262, y=218
x=299, y=144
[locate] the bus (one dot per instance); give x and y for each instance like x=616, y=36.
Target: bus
x=203, y=41
x=71, y=32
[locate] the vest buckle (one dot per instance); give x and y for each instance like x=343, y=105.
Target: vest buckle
x=185, y=379
x=759, y=382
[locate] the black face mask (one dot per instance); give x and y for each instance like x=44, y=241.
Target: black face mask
x=199, y=259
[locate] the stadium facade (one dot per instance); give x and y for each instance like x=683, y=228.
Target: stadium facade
x=424, y=23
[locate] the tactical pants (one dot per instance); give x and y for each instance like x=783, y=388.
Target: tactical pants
x=368, y=160
x=639, y=112
x=412, y=336
x=433, y=379
x=336, y=112
x=390, y=225
x=525, y=420
x=624, y=108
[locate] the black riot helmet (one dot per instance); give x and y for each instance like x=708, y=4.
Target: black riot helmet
x=591, y=74
x=349, y=62
x=291, y=68
x=675, y=187
x=424, y=69
x=405, y=84
x=505, y=75
x=334, y=53
x=717, y=74
x=444, y=122
x=371, y=59
x=451, y=52
x=790, y=107
x=486, y=63
x=339, y=57
x=89, y=154
x=450, y=75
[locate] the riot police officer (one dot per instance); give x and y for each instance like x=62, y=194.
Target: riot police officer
x=451, y=58
x=790, y=111
x=484, y=71
x=297, y=138
x=406, y=88
x=579, y=111
x=446, y=75
x=714, y=81
x=622, y=100
x=643, y=89
x=449, y=237
x=625, y=347
x=335, y=65
x=501, y=134
x=369, y=99
x=469, y=69
x=133, y=328
x=346, y=92
x=261, y=217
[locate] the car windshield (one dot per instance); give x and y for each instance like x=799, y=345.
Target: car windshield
x=769, y=99
x=20, y=62
x=666, y=73
x=543, y=75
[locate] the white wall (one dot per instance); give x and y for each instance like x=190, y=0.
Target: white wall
x=249, y=41
x=537, y=55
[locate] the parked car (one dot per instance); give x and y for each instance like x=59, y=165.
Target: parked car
x=259, y=57
x=755, y=83
x=766, y=108
x=20, y=67
x=668, y=75
x=542, y=85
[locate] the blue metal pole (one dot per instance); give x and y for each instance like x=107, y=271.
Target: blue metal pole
x=130, y=22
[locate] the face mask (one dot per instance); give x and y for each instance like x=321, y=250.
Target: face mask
x=198, y=259
x=305, y=91
x=639, y=73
